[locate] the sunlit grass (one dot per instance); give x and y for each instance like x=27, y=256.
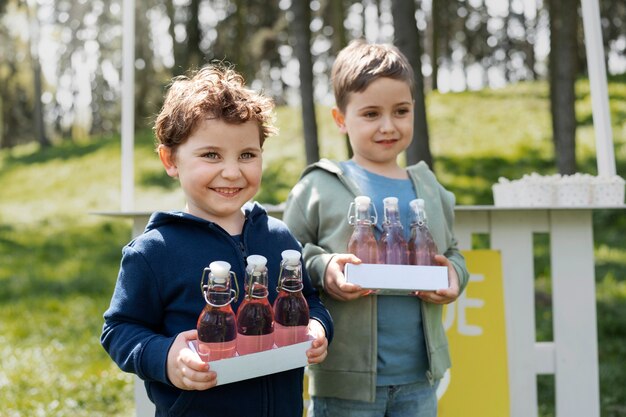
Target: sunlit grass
x=51, y=365
x=59, y=261
x=55, y=283
x=69, y=180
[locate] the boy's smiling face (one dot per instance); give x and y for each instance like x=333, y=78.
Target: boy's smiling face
x=378, y=122
x=219, y=168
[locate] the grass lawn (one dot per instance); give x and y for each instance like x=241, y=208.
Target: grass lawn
x=59, y=261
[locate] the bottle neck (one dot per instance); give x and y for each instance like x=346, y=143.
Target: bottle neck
x=258, y=291
x=363, y=216
x=392, y=216
x=291, y=278
x=392, y=225
x=419, y=218
x=256, y=287
x=218, y=295
x=365, y=224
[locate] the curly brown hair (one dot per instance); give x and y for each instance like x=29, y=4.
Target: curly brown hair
x=213, y=92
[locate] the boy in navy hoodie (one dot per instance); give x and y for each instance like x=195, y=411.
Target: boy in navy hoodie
x=210, y=134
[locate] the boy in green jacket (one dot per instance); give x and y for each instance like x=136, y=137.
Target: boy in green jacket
x=389, y=352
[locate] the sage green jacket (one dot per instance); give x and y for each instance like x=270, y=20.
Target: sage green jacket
x=316, y=212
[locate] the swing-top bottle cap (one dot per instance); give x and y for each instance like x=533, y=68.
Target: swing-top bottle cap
x=390, y=201
x=220, y=270
x=256, y=263
x=291, y=257
x=417, y=203
x=362, y=202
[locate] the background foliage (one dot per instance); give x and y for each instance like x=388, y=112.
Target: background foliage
x=60, y=60
x=59, y=261
x=60, y=93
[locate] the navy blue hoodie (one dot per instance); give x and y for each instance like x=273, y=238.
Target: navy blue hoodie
x=158, y=295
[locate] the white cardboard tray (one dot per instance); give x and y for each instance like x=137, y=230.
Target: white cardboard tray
x=258, y=364
x=397, y=279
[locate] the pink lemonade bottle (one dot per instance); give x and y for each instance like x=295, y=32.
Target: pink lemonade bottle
x=291, y=311
x=255, y=319
x=217, y=327
x=422, y=247
x=362, y=243
x=392, y=246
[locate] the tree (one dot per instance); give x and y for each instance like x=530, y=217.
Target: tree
x=21, y=113
x=437, y=27
x=302, y=47
x=336, y=15
x=40, y=130
x=186, y=46
x=530, y=38
x=563, y=63
x=407, y=38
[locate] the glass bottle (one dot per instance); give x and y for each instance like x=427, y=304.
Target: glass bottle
x=362, y=243
x=422, y=247
x=217, y=327
x=255, y=319
x=392, y=246
x=291, y=311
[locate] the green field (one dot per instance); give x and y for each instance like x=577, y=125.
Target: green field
x=59, y=261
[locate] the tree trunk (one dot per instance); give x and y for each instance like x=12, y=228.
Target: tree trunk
x=436, y=26
x=40, y=130
x=408, y=41
x=563, y=60
x=180, y=51
x=339, y=41
x=507, y=44
x=336, y=16
x=302, y=46
x=194, y=36
x=4, y=143
x=530, y=30
x=144, y=76
x=241, y=36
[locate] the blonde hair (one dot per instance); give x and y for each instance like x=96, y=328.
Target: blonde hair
x=213, y=92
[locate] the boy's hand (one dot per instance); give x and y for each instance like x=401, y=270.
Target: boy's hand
x=319, y=347
x=335, y=281
x=185, y=369
x=446, y=295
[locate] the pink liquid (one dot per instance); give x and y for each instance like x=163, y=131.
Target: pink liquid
x=422, y=248
x=289, y=335
x=392, y=249
x=217, y=324
x=291, y=317
x=363, y=244
x=255, y=326
x=215, y=351
x=252, y=344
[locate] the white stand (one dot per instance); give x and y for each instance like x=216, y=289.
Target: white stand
x=573, y=355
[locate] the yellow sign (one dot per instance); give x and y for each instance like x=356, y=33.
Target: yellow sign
x=477, y=383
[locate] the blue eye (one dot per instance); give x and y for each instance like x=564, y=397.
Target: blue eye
x=248, y=155
x=211, y=155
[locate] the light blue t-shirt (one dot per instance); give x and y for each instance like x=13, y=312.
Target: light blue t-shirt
x=402, y=357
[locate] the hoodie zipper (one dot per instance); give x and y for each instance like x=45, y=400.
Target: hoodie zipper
x=241, y=244
x=242, y=249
